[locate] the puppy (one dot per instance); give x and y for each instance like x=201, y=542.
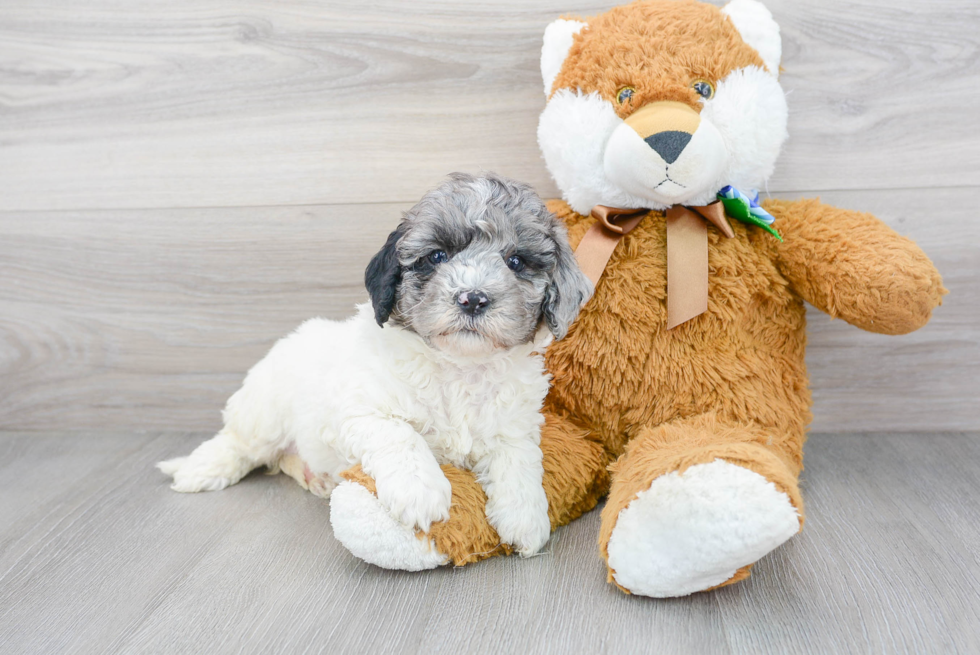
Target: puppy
x=444, y=366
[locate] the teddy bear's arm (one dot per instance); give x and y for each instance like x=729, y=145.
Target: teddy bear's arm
x=852, y=266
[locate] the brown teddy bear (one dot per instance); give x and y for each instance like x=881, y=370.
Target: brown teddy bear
x=681, y=393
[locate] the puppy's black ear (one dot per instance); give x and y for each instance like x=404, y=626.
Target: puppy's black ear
x=383, y=275
x=569, y=288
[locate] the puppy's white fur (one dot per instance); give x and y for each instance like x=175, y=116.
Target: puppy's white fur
x=340, y=393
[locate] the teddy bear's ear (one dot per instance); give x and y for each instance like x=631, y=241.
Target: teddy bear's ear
x=758, y=29
x=558, y=38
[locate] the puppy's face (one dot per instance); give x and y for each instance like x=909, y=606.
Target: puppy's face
x=475, y=266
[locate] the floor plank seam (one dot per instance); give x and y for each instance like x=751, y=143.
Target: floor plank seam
x=411, y=201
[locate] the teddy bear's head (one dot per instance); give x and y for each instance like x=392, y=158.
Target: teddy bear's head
x=662, y=102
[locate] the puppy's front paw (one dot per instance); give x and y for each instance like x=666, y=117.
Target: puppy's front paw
x=417, y=500
x=525, y=526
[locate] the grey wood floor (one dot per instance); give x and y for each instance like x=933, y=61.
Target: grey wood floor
x=99, y=556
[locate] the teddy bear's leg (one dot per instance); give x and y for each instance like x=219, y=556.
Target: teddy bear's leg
x=694, y=503
x=575, y=478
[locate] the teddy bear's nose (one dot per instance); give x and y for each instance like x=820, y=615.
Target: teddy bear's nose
x=669, y=144
x=666, y=126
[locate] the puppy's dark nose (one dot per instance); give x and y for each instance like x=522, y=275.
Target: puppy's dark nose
x=669, y=145
x=473, y=302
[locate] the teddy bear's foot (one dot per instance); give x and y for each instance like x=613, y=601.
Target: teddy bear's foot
x=365, y=528
x=696, y=530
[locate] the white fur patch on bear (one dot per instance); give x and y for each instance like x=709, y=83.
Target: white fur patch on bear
x=638, y=169
x=749, y=111
x=573, y=131
x=693, y=530
x=758, y=29
x=558, y=37
x=369, y=532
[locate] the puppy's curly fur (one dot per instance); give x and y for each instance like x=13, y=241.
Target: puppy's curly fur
x=444, y=367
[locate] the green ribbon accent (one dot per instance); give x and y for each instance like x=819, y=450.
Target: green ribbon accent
x=739, y=209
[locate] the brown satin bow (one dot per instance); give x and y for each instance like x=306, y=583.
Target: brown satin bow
x=687, y=251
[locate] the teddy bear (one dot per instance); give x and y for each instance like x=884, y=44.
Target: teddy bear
x=680, y=395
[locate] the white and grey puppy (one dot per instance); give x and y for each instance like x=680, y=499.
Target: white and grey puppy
x=444, y=367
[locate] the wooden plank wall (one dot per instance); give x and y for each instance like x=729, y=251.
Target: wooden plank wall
x=183, y=182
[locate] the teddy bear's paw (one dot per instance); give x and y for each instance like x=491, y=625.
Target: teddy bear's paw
x=693, y=530
x=365, y=528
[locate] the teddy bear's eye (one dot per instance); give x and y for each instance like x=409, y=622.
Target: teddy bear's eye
x=703, y=88
x=625, y=94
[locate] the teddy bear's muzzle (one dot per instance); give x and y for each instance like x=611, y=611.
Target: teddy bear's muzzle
x=665, y=126
x=667, y=154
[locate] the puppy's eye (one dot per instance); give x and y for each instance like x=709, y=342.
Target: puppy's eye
x=625, y=94
x=438, y=257
x=515, y=263
x=704, y=88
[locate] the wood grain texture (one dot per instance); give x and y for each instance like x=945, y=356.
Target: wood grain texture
x=97, y=555
x=193, y=103
x=149, y=319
